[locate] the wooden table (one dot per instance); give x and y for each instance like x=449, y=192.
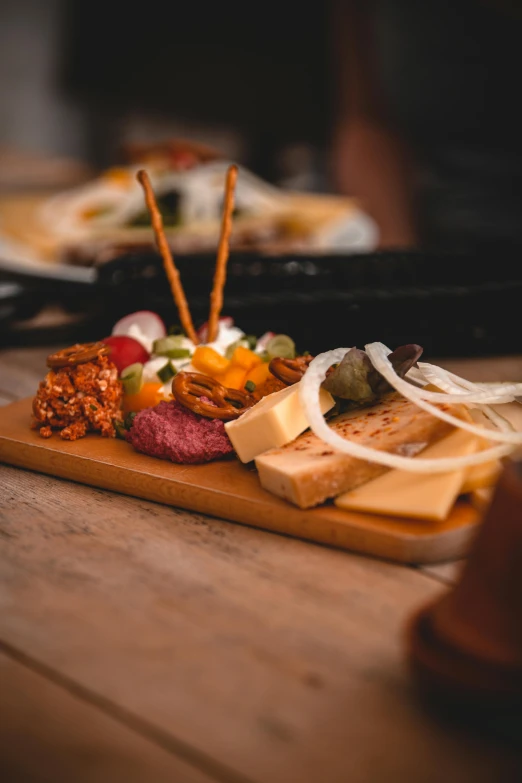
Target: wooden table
x=143, y=643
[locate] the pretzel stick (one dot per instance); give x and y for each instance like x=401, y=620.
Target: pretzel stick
x=216, y=297
x=168, y=262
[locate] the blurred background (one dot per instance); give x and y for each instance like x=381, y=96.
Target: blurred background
x=80, y=79
x=396, y=121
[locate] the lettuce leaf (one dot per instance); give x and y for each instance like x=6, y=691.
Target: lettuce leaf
x=356, y=381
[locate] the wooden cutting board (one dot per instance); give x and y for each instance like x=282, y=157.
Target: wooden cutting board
x=229, y=490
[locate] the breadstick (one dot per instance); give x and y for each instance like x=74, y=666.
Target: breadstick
x=216, y=297
x=168, y=262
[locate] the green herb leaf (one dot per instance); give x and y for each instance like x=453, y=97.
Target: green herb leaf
x=356, y=380
x=250, y=386
x=129, y=419
x=349, y=380
x=166, y=373
x=120, y=429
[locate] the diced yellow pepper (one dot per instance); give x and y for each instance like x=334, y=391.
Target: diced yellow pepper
x=245, y=358
x=234, y=377
x=259, y=374
x=209, y=361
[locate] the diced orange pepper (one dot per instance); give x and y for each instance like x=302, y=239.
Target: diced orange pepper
x=245, y=358
x=259, y=374
x=209, y=362
x=233, y=378
x=148, y=396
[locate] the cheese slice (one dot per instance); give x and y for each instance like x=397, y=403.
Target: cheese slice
x=276, y=419
x=481, y=498
x=481, y=476
x=421, y=496
x=308, y=471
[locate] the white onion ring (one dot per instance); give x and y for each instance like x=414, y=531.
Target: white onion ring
x=309, y=388
x=454, y=393
x=448, y=382
x=379, y=359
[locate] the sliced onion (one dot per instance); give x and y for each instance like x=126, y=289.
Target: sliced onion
x=379, y=359
x=452, y=392
x=309, y=388
x=415, y=375
x=451, y=383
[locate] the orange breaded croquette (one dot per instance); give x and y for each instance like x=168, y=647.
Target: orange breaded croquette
x=79, y=399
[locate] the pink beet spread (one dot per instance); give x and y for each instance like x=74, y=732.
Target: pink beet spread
x=170, y=431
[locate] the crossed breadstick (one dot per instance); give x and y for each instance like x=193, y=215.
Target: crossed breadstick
x=216, y=296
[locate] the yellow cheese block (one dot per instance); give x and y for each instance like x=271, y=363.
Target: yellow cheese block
x=481, y=476
x=481, y=498
x=307, y=471
x=421, y=496
x=276, y=419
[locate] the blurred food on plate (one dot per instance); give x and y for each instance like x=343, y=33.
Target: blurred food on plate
x=22, y=170
x=106, y=216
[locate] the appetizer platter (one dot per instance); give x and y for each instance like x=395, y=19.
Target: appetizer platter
x=367, y=449
x=104, y=217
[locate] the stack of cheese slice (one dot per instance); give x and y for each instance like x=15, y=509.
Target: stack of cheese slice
x=304, y=470
x=423, y=496
x=308, y=472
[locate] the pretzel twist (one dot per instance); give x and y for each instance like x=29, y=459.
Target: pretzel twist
x=207, y=397
x=80, y=353
x=289, y=371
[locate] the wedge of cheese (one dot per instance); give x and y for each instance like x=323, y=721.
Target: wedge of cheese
x=420, y=496
x=481, y=498
x=481, y=476
x=276, y=419
x=308, y=472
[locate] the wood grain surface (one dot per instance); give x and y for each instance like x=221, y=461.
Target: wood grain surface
x=274, y=658
x=55, y=735
x=141, y=642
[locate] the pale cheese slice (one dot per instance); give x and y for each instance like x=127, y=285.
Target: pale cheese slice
x=481, y=498
x=420, y=496
x=308, y=471
x=481, y=476
x=275, y=420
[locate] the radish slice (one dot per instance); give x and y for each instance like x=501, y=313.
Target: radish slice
x=309, y=388
x=144, y=325
x=227, y=321
x=263, y=341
